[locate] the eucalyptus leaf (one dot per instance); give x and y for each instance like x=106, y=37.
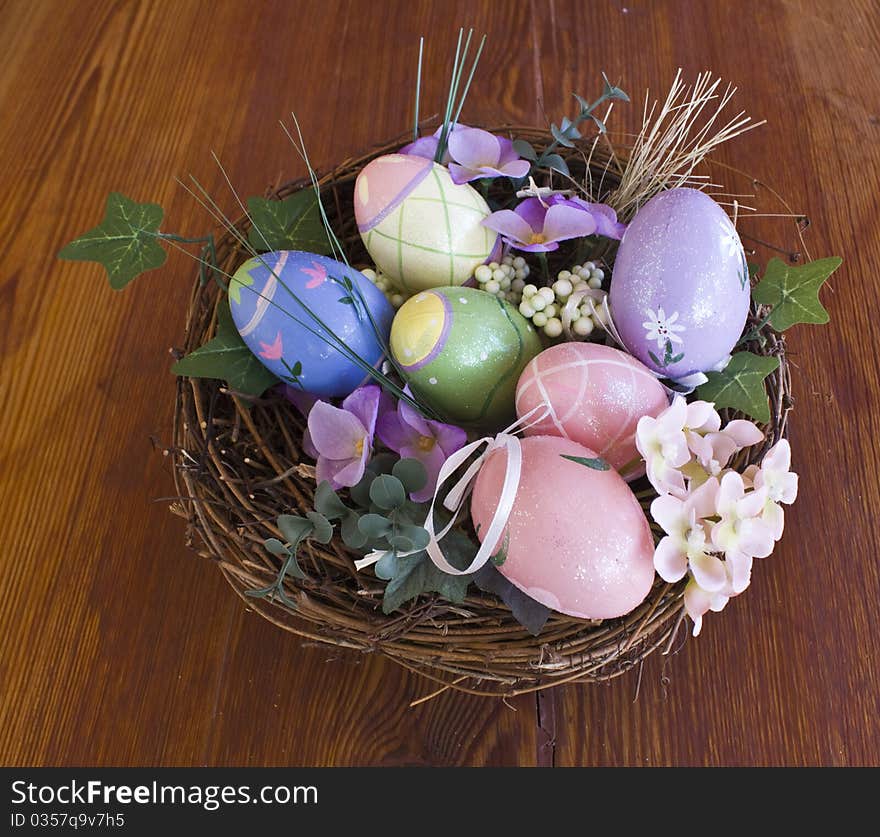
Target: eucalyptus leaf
x=323, y=528
x=327, y=502
x=560, y=137
x=555, y=162
x=411, y=473
x=741, y=385
x=793, y=291
x=292, y=223
x=275, y=546
x=374, y=525
x=294, y=528
x=387, y=492
x=386, y=567
x=532, y=615
x=416, y=535
x=125, y=243
x=401, y=543
x=360, y=493
x=352, y=536
x=227, y=358
x=525, y=150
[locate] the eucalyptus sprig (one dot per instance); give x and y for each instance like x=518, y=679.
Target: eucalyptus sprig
x=568, y=130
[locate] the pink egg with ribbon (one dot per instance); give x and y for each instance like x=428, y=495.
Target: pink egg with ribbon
x=594, y=395
x=577, y=539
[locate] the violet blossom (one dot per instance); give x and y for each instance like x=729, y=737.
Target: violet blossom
x=536, y=227
x=604, y=216
x=427, y=146
x=412, y=436
x=477, y=153
x=341, y=439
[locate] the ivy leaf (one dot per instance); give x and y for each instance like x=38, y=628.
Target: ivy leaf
x=530, y=614
x=597, y=464
x=125, y=242
x=293, y=223
x=417, y=574
x=228, y=358
x=741, y=385
x=793, y=292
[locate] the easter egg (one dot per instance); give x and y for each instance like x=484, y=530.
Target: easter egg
x=461, y=351
x=680, y=289
x=596, y=396
x=270, y=297
x=421, y=229
x=577, y=539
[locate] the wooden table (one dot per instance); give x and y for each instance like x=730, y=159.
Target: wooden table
x=118, y=647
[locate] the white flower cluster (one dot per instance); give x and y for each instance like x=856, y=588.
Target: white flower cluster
x=550, y=308
x=716, y=520
x=384, y=284
x=505, y=280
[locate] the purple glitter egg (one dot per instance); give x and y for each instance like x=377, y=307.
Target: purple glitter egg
x=680, y=288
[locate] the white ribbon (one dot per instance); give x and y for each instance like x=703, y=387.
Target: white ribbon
x=459, y=493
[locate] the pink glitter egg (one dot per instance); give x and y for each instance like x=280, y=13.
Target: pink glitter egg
x=596, y=395
x=577, y=538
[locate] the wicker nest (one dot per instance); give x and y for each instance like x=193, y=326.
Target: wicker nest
x=238, y=468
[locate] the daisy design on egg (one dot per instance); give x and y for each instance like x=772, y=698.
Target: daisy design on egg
x=661, y=328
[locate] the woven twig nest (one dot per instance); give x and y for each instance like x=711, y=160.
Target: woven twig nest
x=237, y=467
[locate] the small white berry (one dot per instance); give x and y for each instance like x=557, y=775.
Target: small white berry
x=526, y=310
x=505, y=283
x=551, y=311
x=594, y=283
x=590, y=265
x=553, y=327
x=517, y=285
x=483, y=273
x=519, y=262
x=576, y=269
x=562, y=287
x=540, y=319
x=582, y=326
x=529, y=291
x=397, y=300
x=563, y=275
x=581, y=286
x=494, y=265
x=538, y=302
x=369, y=273
x=492, y=286
x=547, y=293
x=597, y=273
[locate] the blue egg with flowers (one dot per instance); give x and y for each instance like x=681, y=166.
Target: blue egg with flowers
x=285, y=304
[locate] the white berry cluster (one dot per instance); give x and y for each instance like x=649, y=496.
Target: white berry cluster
x=544, y=306
x=505, y=280
x=384, y=284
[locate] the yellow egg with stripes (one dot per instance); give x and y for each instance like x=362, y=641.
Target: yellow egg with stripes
x=462, y=351
x=421, y=229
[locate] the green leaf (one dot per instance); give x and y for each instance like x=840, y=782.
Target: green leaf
x=530, y=614
x=793, y=292
x=554, y=161
x=293, y=223
x=501, y=556
x=323, y=528
x=416, y=574
x=741, y=385
x=374, y=525
x=228, y=358
x=560, y=137
x=386, y=567
x=597, y=464
x=411, y=473
x=360, y=493
x=125, y=242
x=328, y=503
x=352, y=536
x=275, y=546
x=387, y=492
x=416, y=535
x=294, y=528
x=525, y=150
x=609, y=91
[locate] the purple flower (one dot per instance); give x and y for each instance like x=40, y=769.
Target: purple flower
x=413, y=437
x=535, y=227
x=477, y=153
x=427, y=146
x=604, y=216
x=341, y=440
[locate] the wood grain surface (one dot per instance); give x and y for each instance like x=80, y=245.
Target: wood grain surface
x=117, y=647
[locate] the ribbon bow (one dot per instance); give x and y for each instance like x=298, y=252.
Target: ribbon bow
x=459, y=493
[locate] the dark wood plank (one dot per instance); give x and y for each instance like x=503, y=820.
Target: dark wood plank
x=118, y=647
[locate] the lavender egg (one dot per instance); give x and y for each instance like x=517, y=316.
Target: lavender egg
x=268, y=297
x=680, y=289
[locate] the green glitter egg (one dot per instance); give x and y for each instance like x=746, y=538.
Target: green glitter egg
x=462, y=351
